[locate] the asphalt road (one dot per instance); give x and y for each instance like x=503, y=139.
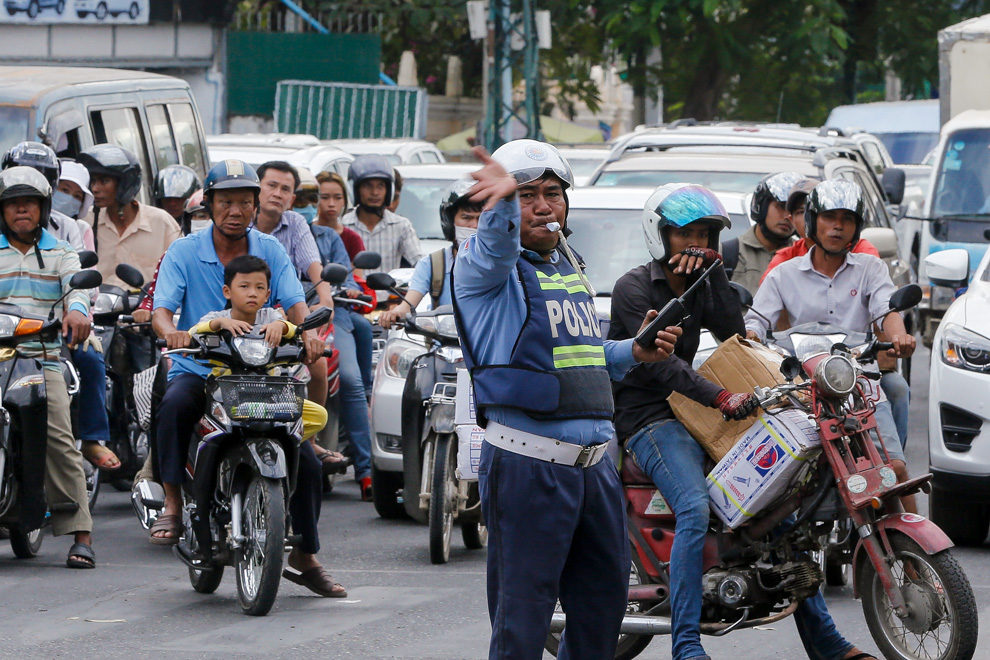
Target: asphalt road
x=139, y=603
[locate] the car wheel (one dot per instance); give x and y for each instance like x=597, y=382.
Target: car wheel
x=82, y=14
x=964, y=522
x=101, y=11
x=60, y=7
x=33, y=9
x=11, y=11
x=133, y=11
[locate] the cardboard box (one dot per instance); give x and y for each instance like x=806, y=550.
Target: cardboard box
x=762, y=466
x=470, y=436
x=738, y=365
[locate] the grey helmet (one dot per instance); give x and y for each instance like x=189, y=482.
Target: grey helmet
x=23, y=181
x=453, y=198
x=176, y=181
x=371, y=166
x=834, y=195
x=771, y=188
x=530, y=160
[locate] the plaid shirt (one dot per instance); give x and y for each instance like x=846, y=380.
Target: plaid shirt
x=292, y=231
x=393, y=237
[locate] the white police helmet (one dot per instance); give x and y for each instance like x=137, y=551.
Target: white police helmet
x=530, y=160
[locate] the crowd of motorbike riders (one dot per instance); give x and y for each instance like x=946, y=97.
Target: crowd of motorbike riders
x=802, y=259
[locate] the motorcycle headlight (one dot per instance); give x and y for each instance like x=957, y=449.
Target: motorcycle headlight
x=8, y=324
x=107, y=303
x=806, y=346
x=442, y=325
x=442, y=418
x=965, y=349
x=399, y=356
x=836, y=375
x=253, y=351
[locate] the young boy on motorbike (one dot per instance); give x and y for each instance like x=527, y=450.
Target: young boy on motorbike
x=681, y=223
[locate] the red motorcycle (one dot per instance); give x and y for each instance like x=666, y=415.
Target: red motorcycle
x=917, y=601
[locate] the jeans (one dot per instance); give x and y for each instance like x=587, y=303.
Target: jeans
x=354, y=403
x=899, y=394
x=676, y=463
x=887, y=428
x=363, y=336
x=93, y=422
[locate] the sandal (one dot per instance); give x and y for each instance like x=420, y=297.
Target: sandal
x=81, y=555
x=333, y=462
x=317, y=580
x=171, y=522
x=100, y=456
x=861, y=656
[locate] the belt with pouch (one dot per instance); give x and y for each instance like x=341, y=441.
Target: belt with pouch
x=543, y=448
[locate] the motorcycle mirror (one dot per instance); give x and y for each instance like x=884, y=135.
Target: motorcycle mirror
x=88, y=259
x=367, y=260
x=790, y=368
x=745, y=297
x=334, y=273
x=317, y=318
x=86, y=279
x=905, y=298
x=381, y=281
x=130, y=275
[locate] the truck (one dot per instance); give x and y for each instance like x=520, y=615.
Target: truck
x=964, y=67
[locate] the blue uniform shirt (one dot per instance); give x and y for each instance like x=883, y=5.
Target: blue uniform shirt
x=191, y=277
x=493, y=309
x=422, y=276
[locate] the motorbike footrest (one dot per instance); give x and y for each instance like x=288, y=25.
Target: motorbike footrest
x=292, y=541
x=64, y=507
x=183, y=552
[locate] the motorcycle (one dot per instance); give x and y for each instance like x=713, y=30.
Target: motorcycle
x=242, y=464
x=917, y=601
x=24, y=421
x=433, y=489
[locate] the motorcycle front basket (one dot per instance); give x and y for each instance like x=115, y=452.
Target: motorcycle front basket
x=273, y=398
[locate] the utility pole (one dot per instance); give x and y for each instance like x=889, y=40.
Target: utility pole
x=512, y=48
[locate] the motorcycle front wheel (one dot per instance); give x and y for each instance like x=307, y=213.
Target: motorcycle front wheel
x=942, y=624
x=443, y=499
x=258, y=561
x=25, y=544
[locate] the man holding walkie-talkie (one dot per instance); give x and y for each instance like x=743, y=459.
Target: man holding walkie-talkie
x=681, y=223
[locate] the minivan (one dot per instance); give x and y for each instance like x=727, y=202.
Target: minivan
x=72, y=108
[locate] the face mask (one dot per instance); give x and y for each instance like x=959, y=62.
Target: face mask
x=197, y=225
x=461, y=234
x=66, y=204
x=308, y=212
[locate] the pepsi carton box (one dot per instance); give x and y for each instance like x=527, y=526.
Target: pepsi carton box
x=762, y=465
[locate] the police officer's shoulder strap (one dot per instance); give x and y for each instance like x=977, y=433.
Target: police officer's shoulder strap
x=437, y=268
x=730, y=255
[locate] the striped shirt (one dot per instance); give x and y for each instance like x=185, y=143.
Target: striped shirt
x=23, y=282
x=292, y=231
x=393, y=237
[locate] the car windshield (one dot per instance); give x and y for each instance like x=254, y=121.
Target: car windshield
x=13, y=127
x=611, y=242
x=908, y=148
x=584, y=166
x=420, y=202
x=738, y=182
x=963, y=182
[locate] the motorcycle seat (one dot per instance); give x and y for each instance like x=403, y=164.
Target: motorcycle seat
x=632, y=474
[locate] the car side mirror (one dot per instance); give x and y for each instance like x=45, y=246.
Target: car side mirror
x=316, y=319
x=745, y=297
x=381, y=282
x=883, y=239
x=334, y=273
x=948, y=268
x=88, y=259
x=905, y=298
x=86, y=279
x=130, y=275
x=367, y=260
x=893, y=184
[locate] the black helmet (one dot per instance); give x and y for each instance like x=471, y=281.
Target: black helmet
x=371, y=166
x=176, y=181
x=37, y=155
x=23, y=181
x=771, y=188
x=451, y=200
x=834, y=195
x=114, y=161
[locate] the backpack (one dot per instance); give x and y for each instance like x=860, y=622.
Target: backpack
x=437, y=272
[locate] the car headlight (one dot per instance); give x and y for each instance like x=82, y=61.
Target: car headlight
x=964, y=349
x=107, y=303
x=836, y=375
x=399, y=356
x=253, y=351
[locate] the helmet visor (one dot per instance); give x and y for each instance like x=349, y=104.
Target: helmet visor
x=837, y=194
x=780, y=184
x=177, y=182
x=23, y=181
x=690, y=204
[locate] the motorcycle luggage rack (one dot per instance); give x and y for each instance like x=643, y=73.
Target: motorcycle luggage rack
x=444, y=393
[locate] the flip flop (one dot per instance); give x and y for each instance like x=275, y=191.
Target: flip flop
x=333, y=462
x=81, y=555
x=317, y=580
x=171, y=522
x=100, y=456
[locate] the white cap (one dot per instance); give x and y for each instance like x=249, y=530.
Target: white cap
x=79, y=175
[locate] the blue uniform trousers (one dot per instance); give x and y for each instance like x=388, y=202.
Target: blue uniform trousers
x=554, y=532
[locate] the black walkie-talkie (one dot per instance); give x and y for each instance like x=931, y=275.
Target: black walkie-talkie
x=672, y=313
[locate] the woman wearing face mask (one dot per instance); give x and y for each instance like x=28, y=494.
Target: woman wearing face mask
x=73, y=198
x=459, y=220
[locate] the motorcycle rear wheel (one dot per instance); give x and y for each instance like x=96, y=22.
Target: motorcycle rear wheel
x=25, y=544
x=258, y=562
x=943, y=624
x=443, y=499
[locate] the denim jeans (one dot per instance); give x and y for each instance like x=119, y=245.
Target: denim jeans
x=676, y=463
x=354, y=403
x=899, y=394
x=93, y=422
x=363, y=336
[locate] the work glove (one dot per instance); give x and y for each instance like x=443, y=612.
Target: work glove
x=92, y=342
x=708, y=256
x=735, y=406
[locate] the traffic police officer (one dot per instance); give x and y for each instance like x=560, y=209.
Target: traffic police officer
x=550, y=495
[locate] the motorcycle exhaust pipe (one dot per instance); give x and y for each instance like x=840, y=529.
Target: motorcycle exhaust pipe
x=632, y=624
x=647, y=592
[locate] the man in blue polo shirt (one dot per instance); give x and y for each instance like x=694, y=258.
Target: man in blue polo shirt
x=191, y=277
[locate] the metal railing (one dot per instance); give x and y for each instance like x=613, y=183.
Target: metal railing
x=278, y=19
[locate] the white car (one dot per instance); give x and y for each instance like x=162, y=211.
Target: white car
x=584, y=160
x=958, y=397
x=398, y=151
x=423, y=187
x=301, y=150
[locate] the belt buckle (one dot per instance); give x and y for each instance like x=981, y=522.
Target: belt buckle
x=587, y=455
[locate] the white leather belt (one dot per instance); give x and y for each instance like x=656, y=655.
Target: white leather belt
x=543, y=448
